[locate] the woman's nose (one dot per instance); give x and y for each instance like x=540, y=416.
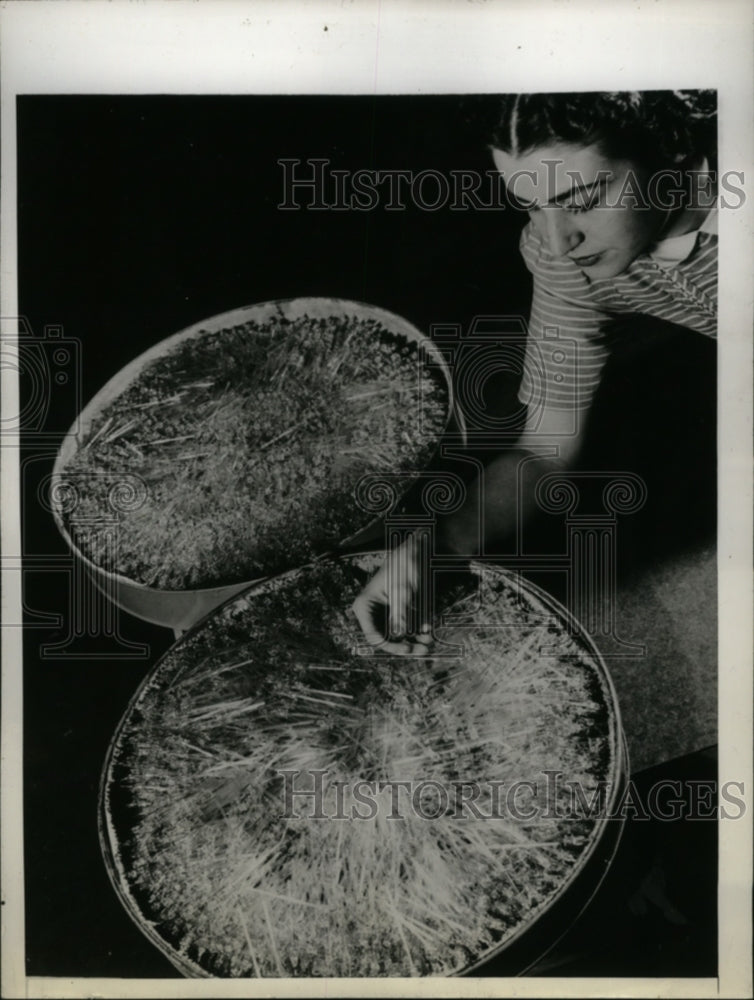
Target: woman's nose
x=562, y=231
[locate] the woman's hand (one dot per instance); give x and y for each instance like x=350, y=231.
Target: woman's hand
x=392, y=609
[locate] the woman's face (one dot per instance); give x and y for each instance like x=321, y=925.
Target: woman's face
x=584, y=205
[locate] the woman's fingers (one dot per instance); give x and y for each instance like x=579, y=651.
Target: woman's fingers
x=387, y=603
x=398, y=610
x=368, y=610
x=365, y=608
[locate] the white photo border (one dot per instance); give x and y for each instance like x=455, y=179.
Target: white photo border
x=206, y=46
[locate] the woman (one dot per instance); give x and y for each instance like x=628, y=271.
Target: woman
x=620, y=191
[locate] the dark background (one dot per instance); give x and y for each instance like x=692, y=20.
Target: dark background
x=138, y=216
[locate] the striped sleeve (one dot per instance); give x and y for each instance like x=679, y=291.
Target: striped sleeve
x=566, y=350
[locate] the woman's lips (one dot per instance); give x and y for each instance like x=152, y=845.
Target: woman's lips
x=587, y=261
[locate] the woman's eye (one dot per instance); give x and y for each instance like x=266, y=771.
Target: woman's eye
x=578, y=207
x=584, y=201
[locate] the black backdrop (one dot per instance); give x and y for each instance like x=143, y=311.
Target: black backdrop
x=138, y=216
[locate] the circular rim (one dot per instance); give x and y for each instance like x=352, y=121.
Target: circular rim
x=520, y=948
x=617, y=777
x=280, y=308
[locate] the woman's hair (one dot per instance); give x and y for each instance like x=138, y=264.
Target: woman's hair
x=654, y=128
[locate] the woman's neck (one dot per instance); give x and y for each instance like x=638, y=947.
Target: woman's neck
x=690, y=217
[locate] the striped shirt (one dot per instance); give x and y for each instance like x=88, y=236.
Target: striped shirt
x=567, y=347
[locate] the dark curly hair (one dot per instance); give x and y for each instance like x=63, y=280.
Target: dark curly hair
x=655, y=128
